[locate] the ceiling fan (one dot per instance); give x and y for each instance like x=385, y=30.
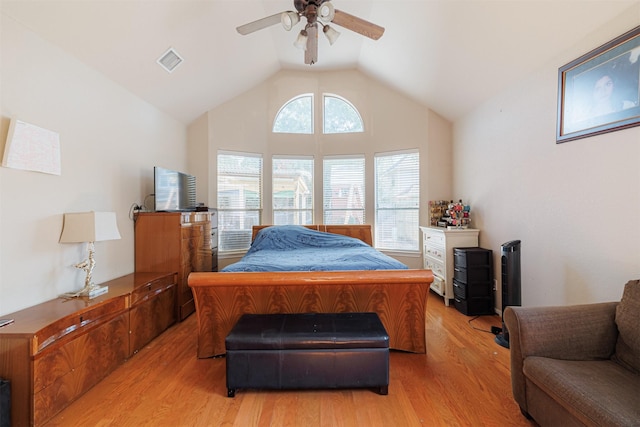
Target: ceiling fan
x=317, y=12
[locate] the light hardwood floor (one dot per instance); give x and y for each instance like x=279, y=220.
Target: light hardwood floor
x=463, y=380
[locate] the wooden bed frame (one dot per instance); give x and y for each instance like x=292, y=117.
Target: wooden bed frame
x=399, y=297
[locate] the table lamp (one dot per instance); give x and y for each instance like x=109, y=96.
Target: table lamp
x=89, y=227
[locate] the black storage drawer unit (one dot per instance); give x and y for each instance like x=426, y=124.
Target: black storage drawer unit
x=473, y=281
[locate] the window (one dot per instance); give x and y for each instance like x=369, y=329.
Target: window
x=343, y=195
x=397, y=193
x=292, y=190
x=239, y=199
x=340, y=116
x=296, y=116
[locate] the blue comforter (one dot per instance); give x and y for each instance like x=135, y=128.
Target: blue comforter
x=296, y=248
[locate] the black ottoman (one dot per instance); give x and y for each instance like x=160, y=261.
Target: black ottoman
x=308, y=350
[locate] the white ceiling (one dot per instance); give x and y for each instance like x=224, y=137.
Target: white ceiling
x=450, y=55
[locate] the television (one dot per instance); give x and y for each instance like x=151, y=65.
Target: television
x=173, y=191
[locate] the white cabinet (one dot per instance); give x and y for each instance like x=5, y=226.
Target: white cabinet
x=437, y=255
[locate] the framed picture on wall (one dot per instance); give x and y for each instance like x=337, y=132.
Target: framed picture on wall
x=600, y=91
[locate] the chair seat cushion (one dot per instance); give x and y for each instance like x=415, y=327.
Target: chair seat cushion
x=598, y=392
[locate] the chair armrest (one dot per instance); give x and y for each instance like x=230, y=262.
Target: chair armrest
x=579, y=332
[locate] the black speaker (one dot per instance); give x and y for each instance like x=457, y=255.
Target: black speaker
x=511, y=281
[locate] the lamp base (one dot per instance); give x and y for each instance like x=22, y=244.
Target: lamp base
x=89, y=292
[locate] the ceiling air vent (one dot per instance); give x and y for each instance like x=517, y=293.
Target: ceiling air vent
x=170, y=60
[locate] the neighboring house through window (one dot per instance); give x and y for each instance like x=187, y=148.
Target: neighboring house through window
x=292, y=190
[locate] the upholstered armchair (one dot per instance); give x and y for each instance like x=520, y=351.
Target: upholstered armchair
x=578, y=365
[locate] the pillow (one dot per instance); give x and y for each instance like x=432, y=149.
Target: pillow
x=628, y=321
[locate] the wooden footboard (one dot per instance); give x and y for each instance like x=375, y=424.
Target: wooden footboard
x=399, y=297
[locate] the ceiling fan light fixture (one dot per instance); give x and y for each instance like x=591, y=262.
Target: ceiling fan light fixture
x=301, y=41
x=326, y=12
x=289, y=20
x=331, y=34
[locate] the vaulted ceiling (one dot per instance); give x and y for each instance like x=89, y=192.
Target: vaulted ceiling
x=450, y=55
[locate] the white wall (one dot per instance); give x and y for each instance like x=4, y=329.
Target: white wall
x=574, y=205
x=110, y=141
x=392, y=122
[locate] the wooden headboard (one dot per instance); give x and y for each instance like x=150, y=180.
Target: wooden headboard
x=362, y=232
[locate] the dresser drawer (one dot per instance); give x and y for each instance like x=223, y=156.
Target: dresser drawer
x=434, y=251
x=474, y=306
x=459, y=290
x=472, y=257
x=151, y=288
x=476, y=290
x=434, y=265
x=62, y=373
x=76, y=324
x=433, y=237
x=472, y=274
x=438, y=284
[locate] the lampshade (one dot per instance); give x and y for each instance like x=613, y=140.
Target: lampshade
x=326, y=12
x=89, y=227
x=301, y=41
x=289, y=20
x=332, y=35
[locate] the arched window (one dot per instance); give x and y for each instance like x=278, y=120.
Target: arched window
x=296, y=116
x=340, y=116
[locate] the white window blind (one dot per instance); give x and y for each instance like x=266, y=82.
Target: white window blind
x=343, y=190
x=239, y=198
x=292, y=190
x=397, y=194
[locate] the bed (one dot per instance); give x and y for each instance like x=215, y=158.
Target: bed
x=398, y=296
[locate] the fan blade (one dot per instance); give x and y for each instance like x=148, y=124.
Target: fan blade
x=311, y=53
x=358, y=25
x=259, y=24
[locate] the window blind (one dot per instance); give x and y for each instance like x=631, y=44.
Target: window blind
x=239, y=199
x=397, y=200
x=343, y=190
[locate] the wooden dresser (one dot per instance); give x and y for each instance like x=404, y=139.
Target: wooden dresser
x=55, y=351
x=177, y=241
